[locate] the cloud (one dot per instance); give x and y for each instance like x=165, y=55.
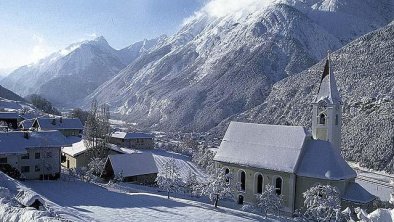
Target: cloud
x=221, y=8
x=40, y=48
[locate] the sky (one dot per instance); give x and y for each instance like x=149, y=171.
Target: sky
x=31, y=30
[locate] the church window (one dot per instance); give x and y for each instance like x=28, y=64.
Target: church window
x=336, y=119
x=322, y=119
x=226, y=172
x=242, y=178
x=259, y=183
x=278, y=185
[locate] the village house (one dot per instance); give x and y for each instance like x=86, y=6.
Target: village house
x=36, y=155
x=26, y=124
x=132, y=140
x=67, y=126
x=77, y=156
x=132, y=167
x=290, y=158
x=9, y=119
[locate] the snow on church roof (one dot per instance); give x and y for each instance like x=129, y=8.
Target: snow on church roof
x=321, y=160
x=133, y=164
x=273, y=147
x=328, y=88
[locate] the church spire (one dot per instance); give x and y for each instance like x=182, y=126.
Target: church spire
x=327, y=109
x=328, y=88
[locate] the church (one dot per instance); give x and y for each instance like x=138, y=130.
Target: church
x=292, y=159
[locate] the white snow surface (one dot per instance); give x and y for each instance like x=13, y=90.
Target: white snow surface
x=97, y=203
x=264, y=146
x=10, y=210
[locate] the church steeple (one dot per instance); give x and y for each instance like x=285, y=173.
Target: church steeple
x=327, y=109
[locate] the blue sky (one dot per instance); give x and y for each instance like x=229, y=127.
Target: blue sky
x=29, y=30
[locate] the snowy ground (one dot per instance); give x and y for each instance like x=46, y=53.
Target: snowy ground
x=376, y=182
x=90, y=202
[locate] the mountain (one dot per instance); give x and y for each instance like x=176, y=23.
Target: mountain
x=227, y=57
x=74, y=72
x=365, y=78
x=8, y=94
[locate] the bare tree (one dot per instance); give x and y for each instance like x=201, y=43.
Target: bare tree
x=97, y=131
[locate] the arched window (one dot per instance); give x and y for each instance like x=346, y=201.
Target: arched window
x=322, y=119
x=242, y=180
x=259, y=183
x=336, y=119
x=278, y=185
x=227, y=171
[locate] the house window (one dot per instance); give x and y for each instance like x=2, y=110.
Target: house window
x=37, y=168
x=259, y=183
x=242, y=178
x=25, y=156
x=49, y=155
x=3, y=160
x=37, y=155
x=25, y=169
x=322, y=119
x=278, y=185
x=227, y=171
x=336, y=119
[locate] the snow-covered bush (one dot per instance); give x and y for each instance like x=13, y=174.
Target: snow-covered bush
x=248, y=208
x=268, y=201
x=322, y=203
x=170, y=180
x=191, y=184
x=220, y=186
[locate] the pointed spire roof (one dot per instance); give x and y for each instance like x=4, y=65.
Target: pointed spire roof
x=328, y=87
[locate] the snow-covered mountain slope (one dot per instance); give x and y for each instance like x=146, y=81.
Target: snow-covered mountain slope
x=8, y=94
x=365, y=77
x=225, y=58
x=74, y=72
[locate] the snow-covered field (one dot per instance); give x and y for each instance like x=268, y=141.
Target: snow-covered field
x=90, y=202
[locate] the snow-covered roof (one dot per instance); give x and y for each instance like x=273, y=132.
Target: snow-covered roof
x=26, y=124
x=133, y=164
x=59, y=123
x=321, y=160
x=264, y=146
x=356, y=193
x=78, y=147
x=28, y=197
x=328, y=88
x=75, y=149
x=129, y=135
x=9, y=115
x=16, y=141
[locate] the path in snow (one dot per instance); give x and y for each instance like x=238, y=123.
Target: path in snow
x=101, y=204
x=183, y=162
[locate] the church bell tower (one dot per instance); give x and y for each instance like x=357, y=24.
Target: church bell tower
x=327, y=109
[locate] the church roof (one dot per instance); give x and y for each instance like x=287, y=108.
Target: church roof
x=321, y=160
x=273, y=147
x=328, y=88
